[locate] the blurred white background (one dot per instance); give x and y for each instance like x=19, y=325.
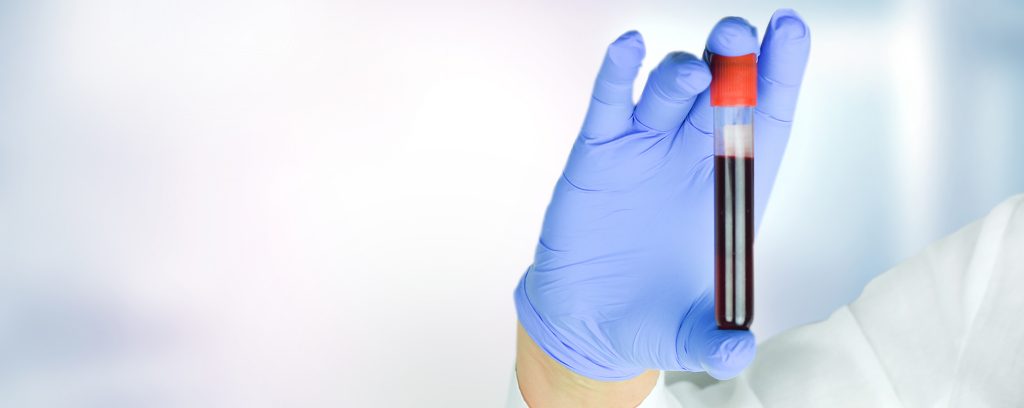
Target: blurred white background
x=312, y=203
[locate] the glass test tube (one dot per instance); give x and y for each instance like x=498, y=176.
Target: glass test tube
x=733, y=96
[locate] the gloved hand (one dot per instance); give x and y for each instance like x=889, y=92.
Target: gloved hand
x=623, y=276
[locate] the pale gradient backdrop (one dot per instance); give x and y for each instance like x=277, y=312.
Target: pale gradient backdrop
x=314, y=203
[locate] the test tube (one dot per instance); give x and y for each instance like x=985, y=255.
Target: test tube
x=733, y=97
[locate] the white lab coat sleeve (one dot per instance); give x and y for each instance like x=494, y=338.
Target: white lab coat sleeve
x=944, y=328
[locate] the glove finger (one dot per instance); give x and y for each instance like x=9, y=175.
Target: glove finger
x=725, y=353
x=671, y=89
x=702, y=346
x=780, y=69
x=732, y=36
x=611, y=105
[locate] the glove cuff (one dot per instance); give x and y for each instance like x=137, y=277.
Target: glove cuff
x=556, y=347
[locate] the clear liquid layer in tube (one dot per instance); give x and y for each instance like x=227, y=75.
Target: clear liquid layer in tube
x=733, y=97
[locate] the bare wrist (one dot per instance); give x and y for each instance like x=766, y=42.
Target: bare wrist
x=546, y=383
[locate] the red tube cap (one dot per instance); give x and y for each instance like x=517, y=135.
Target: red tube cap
x=734, y=80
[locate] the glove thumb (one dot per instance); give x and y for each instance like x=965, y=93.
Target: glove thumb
x=725, y=353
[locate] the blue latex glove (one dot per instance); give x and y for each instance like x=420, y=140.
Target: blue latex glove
x=623, y=275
